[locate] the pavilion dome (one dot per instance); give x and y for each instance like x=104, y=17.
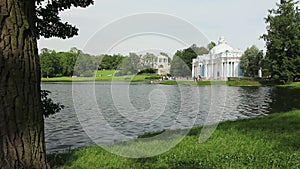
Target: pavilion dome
x=221, y=47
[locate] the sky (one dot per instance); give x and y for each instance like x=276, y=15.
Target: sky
x=115, y=26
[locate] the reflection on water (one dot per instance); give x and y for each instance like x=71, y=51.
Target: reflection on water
x=156, y=107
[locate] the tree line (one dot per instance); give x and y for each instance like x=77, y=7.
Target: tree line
x=75, y=63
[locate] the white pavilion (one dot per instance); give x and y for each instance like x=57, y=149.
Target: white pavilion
x=221, y=62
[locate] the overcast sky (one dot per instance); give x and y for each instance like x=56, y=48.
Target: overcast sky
x=241, y=22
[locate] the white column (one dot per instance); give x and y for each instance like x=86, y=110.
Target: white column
x=225, y=69
x=222, y=69
x=260, y=73
x=228, y=69
x=193, y=70
x=206, y=70
x=200, y=71
x=227, y=65
x=232, y=69
x=234, y=73
x=212, y=70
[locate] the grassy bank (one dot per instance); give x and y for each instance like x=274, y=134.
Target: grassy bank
x=230, y=83
x=103, y=75
x=295, y=84
x=267, y=142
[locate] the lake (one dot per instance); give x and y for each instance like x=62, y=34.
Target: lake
x=121, y=110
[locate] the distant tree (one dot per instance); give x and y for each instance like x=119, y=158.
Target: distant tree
x=86, y=65
x=166, y=55
x=135, y=60
x=130, y=65
x=111, y=62
x=50, y=63
x=199, y=50
x=182, y=61
x=179, y=66
x=283, y=41
x=251, y=61
x=63, y=63
x=67, y=61
x=74, y=50
x=211, y=45
x=187, y=56
x=149, y=60
x=22, y=143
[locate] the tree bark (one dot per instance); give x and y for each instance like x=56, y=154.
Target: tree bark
x=22, y=143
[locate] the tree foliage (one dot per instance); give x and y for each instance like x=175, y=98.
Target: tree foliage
x=211, y=45
x=179, y=66
x=199, y=50
x=49, y=107
x=148, y=60
x=48, y=21
x=130, y=65
x=111, y=62
x=283, y=41
x=251, y=61
x=74, y=62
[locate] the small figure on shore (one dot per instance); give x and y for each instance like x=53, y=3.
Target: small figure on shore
x=199, y=78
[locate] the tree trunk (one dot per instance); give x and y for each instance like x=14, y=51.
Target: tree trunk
x=22, y=143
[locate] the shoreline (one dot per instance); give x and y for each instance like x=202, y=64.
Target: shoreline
x=150, y=80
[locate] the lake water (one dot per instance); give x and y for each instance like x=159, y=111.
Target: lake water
x=131, y=109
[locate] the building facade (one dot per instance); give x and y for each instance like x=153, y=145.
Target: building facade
x=162, y=65
x=221, y=62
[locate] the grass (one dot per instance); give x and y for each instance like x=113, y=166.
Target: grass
x=231, y=83
x=108, y=75
x=267, y=142
x=102, y=75
x=294, y=85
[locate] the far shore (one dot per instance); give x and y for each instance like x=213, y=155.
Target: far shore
x=148, y=78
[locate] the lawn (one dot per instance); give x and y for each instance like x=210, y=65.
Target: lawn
x=103, y=75
x=108, y=75
x=230, y=83
x=294, y=84
x=266, y=142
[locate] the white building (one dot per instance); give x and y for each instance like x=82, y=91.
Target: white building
x=162, y=65
x=222, y=62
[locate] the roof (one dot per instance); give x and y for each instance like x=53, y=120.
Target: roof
x=221, y=47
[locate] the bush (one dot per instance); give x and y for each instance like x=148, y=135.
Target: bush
x=119, y=73
x=88, y=73
x=59, y=75
x=148, y=71
x=127, y=78
x=240, y=79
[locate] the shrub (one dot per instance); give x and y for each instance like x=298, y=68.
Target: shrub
x=148, y=71
x=88, y=73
